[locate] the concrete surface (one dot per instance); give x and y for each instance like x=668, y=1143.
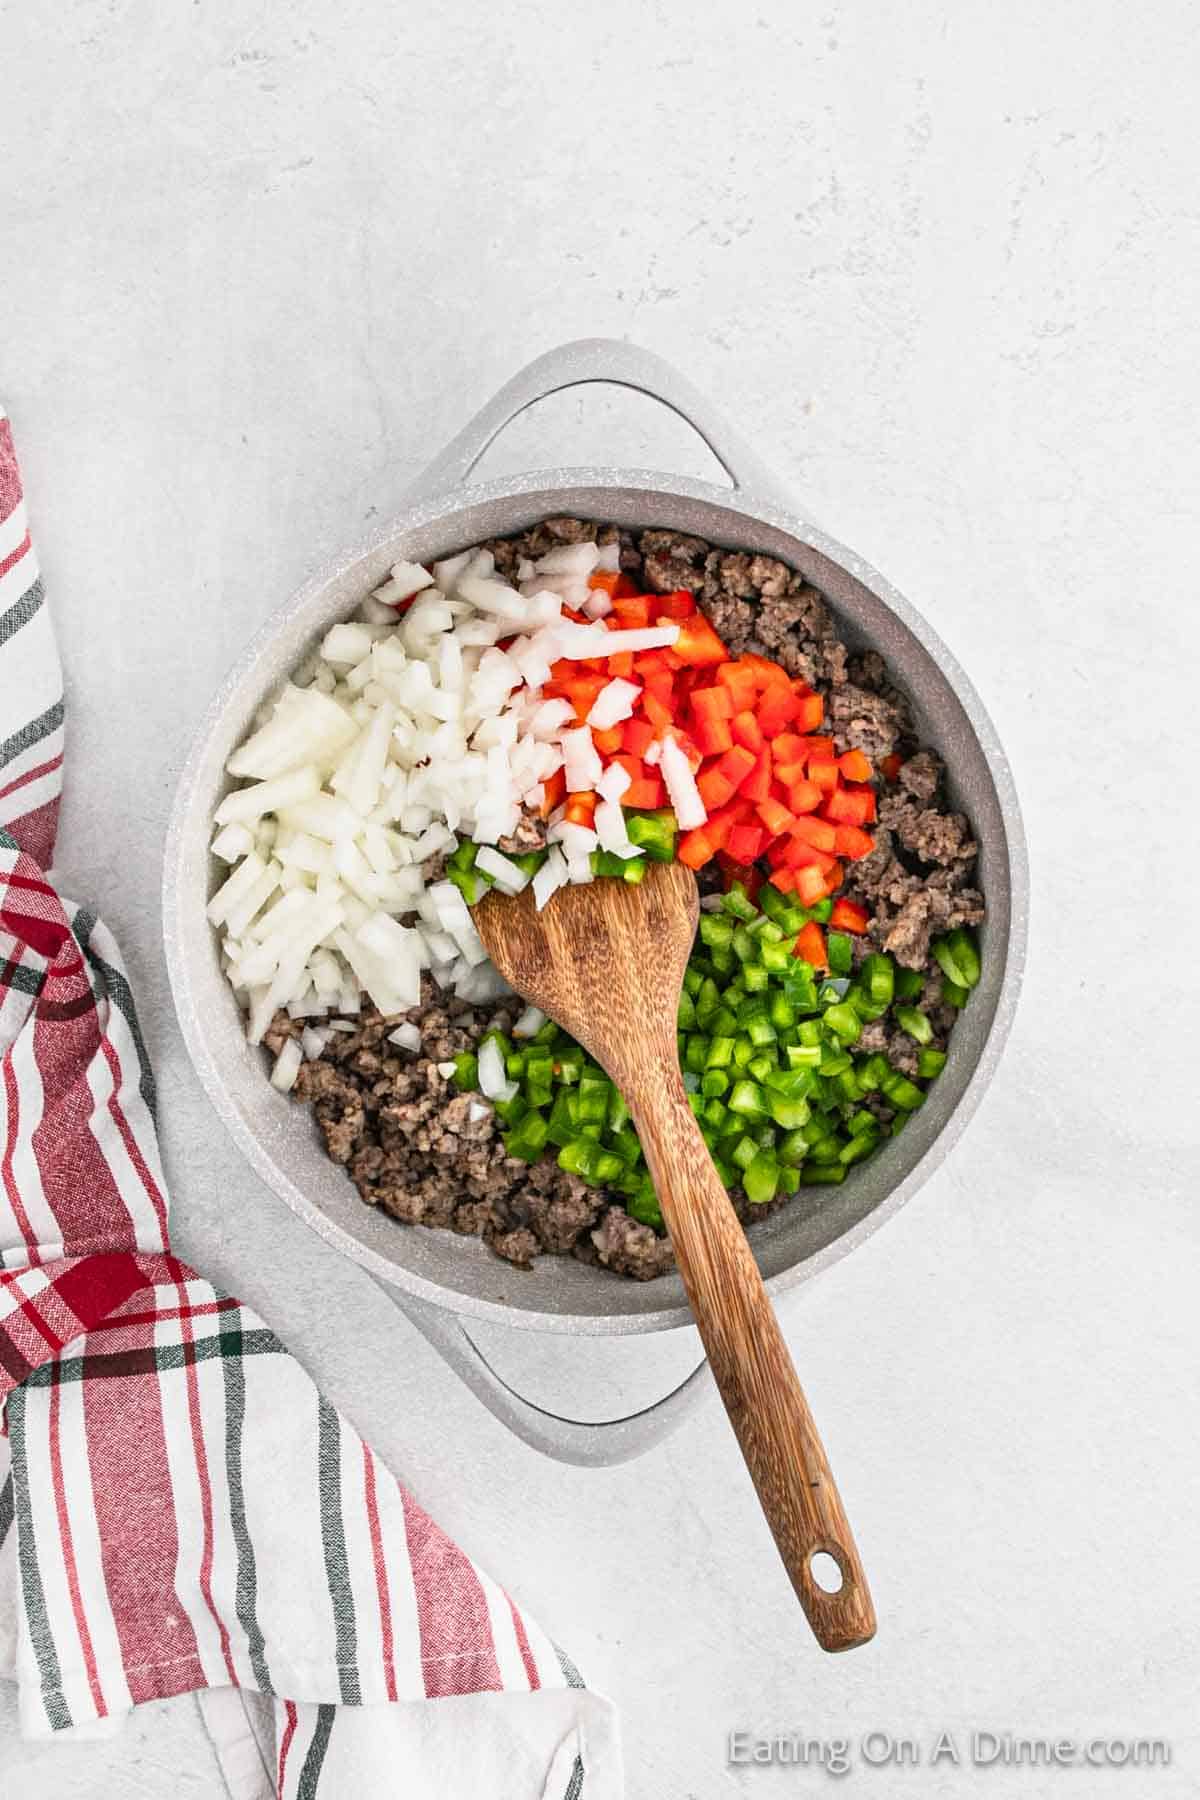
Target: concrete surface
x=941, y=261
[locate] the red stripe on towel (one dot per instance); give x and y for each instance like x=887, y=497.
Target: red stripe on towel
x=10, y=474
x=68, y=1550
x=523, y=1645
x=14, y=556
x=24, y=780
x=458, y=1653
x=381, y=1575
x=139, y=1543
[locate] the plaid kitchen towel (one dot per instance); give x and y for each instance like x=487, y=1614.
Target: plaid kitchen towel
x=180, y=1509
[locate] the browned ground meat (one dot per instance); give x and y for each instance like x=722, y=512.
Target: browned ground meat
x=430, y=1155
x=529, y=835
x=630, y=1248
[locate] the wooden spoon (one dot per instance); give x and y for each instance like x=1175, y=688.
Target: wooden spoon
x=606, y=961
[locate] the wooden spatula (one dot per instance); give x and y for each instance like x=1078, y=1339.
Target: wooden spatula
x=606, y=961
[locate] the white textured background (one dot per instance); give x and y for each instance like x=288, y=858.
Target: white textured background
x=940, y=261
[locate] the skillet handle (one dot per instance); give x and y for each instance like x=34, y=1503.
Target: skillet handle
x=587, y=1444
x=622, y=365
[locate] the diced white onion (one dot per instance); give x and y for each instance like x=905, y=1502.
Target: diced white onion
x=550, y=717
x=613, y=703
x=404, y=580
x=581, y=760
x=569, y=559
x=235, y=840
x=446, y=573
x=348, y=643
x=529, y=1023
x=551, y=876
x=504, y=873
x=406, y=1037
x=287, y=1066
x=681, y=786
x=305, y=726
x=401, y=733
x=614, y=781
x=639, y=638
x=493, y=1081
x=268, y=796
x=610, y=827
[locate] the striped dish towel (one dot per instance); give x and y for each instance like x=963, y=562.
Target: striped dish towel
x=180, y=1509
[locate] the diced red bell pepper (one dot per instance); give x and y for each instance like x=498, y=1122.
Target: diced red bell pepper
x=698, y=644
x=712, y=736
x=738, y=677
x=787, y=774
x=736, y=764
x=788, y=748
x=581, y=809
x=582, y=692
x=757, y=785
x=810, y=885
x=658, y=682
x=823, y=774
x=766, y=673
x=577, y=686
x=848, y=915
x=820, y=749
x=817, y=832
x=719, y=825
x=637, y=735
x=607, y=742
x=695, y=848
x=784, y=879
x=626, y=588
x=679, y=605
x=646, y=794
x=891, y=765
x=776, y=709
x=746, y=730
x=775, y=817
x=555, y=787
x=851, y=806
x=810, y=944
x=812, y=712
x=855, y=766
x=652, y=662
x=745, y=842
x=834, y=877
x=630, y=612
x=605, y=579
x=657, y=714
x=632, y=765
x=621, y=664
x=715, y=788
x=804, y=796
x=712, y=702
x=796, y=854
x=853, y=843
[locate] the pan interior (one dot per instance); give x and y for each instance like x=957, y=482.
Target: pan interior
x=279, y=1136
